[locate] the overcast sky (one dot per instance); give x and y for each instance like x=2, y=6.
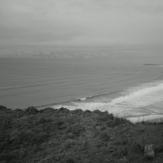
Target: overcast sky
x=81, y=22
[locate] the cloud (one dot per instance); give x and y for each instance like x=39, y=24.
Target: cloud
x=80, y=21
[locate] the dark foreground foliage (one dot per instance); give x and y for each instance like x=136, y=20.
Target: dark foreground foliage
x=63, y=136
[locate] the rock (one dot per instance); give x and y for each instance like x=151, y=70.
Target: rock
x=149, y=152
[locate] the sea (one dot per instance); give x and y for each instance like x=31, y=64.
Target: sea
x=124, y=81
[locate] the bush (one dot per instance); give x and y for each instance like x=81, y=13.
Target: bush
x=64, y=136
x=31, y=110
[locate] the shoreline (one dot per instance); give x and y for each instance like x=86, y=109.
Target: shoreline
x=137, y=104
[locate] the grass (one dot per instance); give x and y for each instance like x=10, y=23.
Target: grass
x=63, y=136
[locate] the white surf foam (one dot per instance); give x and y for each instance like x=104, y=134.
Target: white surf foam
x=135, y=104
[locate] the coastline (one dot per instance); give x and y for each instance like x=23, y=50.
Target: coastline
x=136, y=104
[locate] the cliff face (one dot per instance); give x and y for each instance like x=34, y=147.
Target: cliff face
x=65, y=136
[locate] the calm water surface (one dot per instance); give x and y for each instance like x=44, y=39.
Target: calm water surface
x=100, y=74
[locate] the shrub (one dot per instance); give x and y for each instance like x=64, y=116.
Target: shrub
x=31, y=110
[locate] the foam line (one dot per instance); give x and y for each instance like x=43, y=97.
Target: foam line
x=135, y=104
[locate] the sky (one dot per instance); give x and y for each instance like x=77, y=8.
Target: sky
x=81, y=22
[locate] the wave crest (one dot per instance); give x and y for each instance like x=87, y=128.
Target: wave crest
x=139, y=103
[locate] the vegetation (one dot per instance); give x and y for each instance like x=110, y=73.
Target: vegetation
x=63, y=136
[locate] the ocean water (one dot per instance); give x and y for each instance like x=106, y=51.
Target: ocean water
x=127, y=82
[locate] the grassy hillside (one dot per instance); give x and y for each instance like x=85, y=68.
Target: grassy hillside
x=63, y=136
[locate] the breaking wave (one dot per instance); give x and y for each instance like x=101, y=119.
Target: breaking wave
x=136, y=104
